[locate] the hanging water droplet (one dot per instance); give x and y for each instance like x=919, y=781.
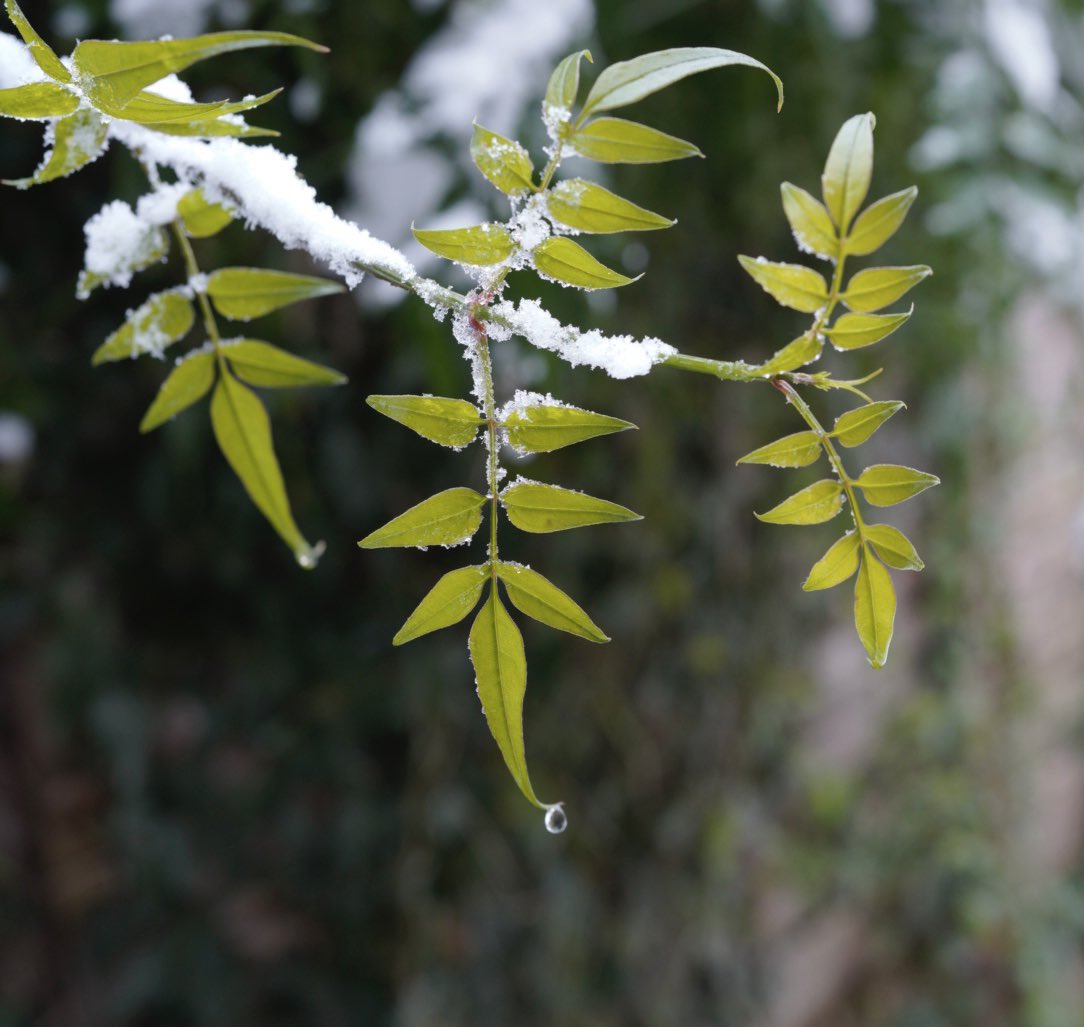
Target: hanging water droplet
x=556, y=820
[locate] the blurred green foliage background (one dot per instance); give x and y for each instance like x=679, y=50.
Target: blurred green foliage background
x=224, y=798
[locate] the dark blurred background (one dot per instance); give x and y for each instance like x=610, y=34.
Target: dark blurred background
x=224, y=797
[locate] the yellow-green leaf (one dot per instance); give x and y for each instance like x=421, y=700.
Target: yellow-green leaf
x=810, y=222
x=500, y=668
x=542, y=428
x=212, y=128
x=814, y=504
x=877, y=287
x=37, y=101
x=569, y=263
x=202, y=218
x=797, y=450
x=564, y=83
x=543, y=508
x=72, y=143
x=540, y=599
x=187, y=383
x=617, y=141
x=588, y=207
x=244, y=293
x=855, y=426
x=793, y=285
x=446, y=603
x=894, y=547
x=889, y=484
x=801, y=351
x=42, y=53
x=836, y=566
x=479, y=245
x=159, y=112
x=449, y=518
x=853, y=331
x=449, y=422
x=878, y=222
x=503, y=161
x=874, y=609
x=164, y=319
x=848, y=169
x=269, y=367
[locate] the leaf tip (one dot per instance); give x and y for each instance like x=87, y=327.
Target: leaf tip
x=309, y=556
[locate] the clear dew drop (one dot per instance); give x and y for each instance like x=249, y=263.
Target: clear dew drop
x=556, y=820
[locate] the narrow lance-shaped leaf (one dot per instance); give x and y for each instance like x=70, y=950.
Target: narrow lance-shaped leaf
x=814, y=504
x=878, y=222
x=447, y=603
x=269, y=367
x=877, y=287
x=893, y=547
x=448, y=422
x=479, y=245
x=801, y=351
x=503, y=161
x=163, y=320
x=836, y=566
x=889, y=484
x=848, y=169
x=187, y=383
x=72, y=143
x=810, y=222
x=874, y=609
x=213, y=128
x=42, y=53
x=37, y=100
x=564, y=84
x=617, y=141
x=793, y=285
x=588, y=207
x=797, y=450
x=449, y=518
x=540, y=599
x=244, y=293
x=853, y=331
x=202, y=218
x=158, y=112
x=570, y=264
x=855, y=426
x=543, y=428
x=543, y=508
x=500, y=668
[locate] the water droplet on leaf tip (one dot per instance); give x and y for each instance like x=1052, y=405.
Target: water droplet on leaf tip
x=556, y=820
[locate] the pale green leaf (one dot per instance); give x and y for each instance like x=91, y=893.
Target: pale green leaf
x=187, y=383
x=792, y=285
x=543, y=428
x=564, y=83
x=801, y=351
x=479, y=245
x=588, y=207
x=244, y=293
x=71, y=143
x=569, y=263
x=159, y=112
x=629, y=81
x=810, y=222
x=617, y=141
x=202, y=218
x=449, y=422
x=214, y=128
x=164, y=319
x=853, y=331
x=42, y=53
x=874, y=609
x=814, y=504
x=894, y=547
x=449, y=518
x=447, y=603
x=243, y=431
x=540, y=599
x=878, y=222
x=37, y=101
x=500, y=668
x=151, y=247
x=503, y=161
x=543, y=508
x=848, y=169
x=889, y=484
x=855, y=426
x=797, y=450
x=269, y=367
x=836, y=566
x=877, y=287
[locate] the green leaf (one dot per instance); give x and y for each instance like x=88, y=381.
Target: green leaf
x=793, y=285
x=874, y=610
x=449, y=518
x=449, y=422
x=889, y=484
x=564, y=83
x=836, y=566
x=588, y=207
x=187, y=383
x=243, y=431
x=853, y=331
x=202, y=218
x=814, y=504
x=801, y=351
x=73, y=142
x=269, y=367
x=213, y=128
x=37, y=100
x=810, y=222
x=244, y=293
x=479, y=245
x=878, y=222
x=543, y=508
x=540, y=599
x=503, y=161
x=797, y=450
x=848, y=169
x=629, y=81
x=500, y=667
x=159, y=112
x=447, y=603
x=877, y=287
x=569, y=263
x=42, y=53
x=855, y=426
x=545, y=427
x=617, y=141
x=115, y=72
x=164, y=319
x=894, y=547
x=152, y=247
